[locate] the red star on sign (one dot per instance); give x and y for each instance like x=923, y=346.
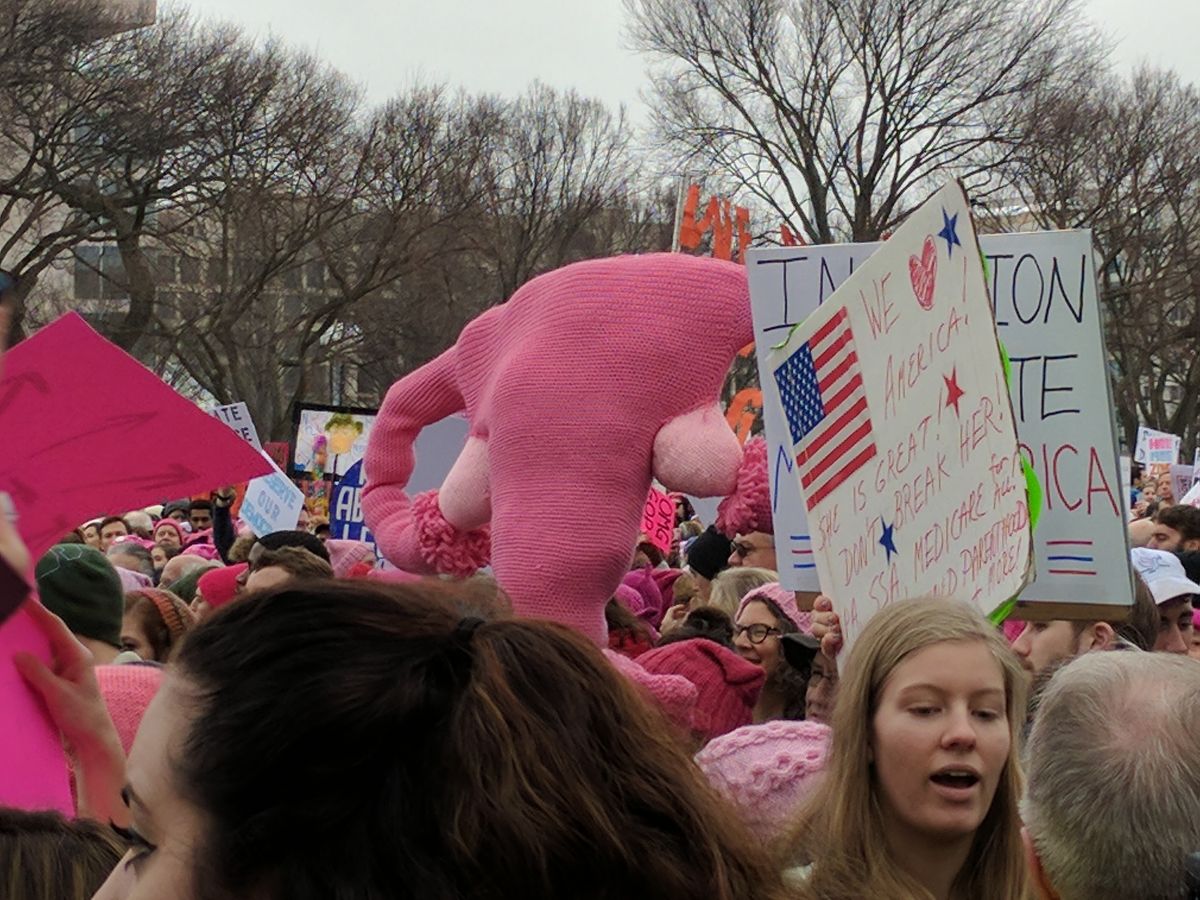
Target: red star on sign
x=953, y=392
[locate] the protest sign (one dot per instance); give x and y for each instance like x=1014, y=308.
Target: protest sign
x=346, y=515
x=1181, y=481
x=658, y=520
x=86, y=425
x=272, y=503
x=1048, y=317
x=901, y=428
x=329, y=439
x=1156, y=448
x=237, y=417
x=786, y=286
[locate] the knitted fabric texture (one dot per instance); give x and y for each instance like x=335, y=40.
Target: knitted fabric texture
x=127, y=691
x=346, y=556
x=554, y=385
x=708, y=554
x=784, y=599
x=748, y=508
x=649, y=605
x=727, y=686
x=673, y=694
x=218, y=586
x=169, y=525
x=767, y=771
x=171, y=609
x=80, y=586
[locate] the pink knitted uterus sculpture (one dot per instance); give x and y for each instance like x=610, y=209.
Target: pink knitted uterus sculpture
x=588, y=382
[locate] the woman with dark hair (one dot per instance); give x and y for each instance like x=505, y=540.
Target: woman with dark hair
x=368, y=741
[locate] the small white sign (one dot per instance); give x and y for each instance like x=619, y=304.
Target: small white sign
x=237, y=417
x=272, y=503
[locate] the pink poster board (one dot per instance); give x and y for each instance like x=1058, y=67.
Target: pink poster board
x=88, y=431
x=658, y=520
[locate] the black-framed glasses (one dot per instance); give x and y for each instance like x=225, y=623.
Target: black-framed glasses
x=756, y=633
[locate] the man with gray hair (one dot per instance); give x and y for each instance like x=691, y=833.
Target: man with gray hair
x=1112, y=807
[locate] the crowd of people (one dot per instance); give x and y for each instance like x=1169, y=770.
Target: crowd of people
x=276, y=716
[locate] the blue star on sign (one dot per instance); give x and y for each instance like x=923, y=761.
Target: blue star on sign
x=948, y=232
x=888, y=540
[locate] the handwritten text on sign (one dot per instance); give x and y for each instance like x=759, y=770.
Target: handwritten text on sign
x=237, y=417
x=1156, y=447
x=272, y=503
x=658, y=519
x=901, y=429
x=1048, y=317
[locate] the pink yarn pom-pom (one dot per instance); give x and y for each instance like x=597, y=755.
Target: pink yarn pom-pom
x=748, y=508
x=448, y=550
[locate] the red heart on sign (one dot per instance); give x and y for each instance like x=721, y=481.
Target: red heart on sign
x=923, y=273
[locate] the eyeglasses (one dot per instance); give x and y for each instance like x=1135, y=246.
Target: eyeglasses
x=742, y=549
x=756, y=633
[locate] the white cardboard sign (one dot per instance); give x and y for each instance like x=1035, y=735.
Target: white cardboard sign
x=1048, y=317
x=1156, y=447
x=237, y=417
x=272, y=503
x=901, y=429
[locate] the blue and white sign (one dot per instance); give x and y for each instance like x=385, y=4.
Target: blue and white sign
x=272, y=503
x=345, y=512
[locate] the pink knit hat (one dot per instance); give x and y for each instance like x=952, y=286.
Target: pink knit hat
x=218, y=586
x=170, y=523
x=202, y=550
x=767, y=771
x=345, y=556
x=648, y=605
x=127, y=691
x=748, y=508
x=784, y=599
x=673, y=694
x=727, y=686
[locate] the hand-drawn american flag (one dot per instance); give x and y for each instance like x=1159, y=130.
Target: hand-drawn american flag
x=826, y=408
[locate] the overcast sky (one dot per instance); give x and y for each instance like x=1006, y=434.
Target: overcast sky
x=485, y=45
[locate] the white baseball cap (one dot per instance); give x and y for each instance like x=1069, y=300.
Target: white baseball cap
x=1163, y=574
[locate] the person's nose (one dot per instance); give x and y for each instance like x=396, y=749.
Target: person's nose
x=1175, y=641
x=959, y=729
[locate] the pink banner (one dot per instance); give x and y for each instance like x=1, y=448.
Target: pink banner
x=89, y=431
x=658, y=520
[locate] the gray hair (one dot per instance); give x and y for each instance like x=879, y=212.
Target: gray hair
x=142, y=561
x=732, y=584
x=139, y=522
x=1113, y=798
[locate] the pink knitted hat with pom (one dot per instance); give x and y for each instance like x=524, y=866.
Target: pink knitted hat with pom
x=127, y=691
x=784, y=599
x=674, y=694
x=727, y=686
x=767, y=771
x=748, y=508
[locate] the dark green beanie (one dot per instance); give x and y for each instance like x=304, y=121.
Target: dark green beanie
x=185, y=585
x=79, y=585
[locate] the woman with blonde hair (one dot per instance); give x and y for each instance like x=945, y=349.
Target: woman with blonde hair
x=731, y=585
x=920, y=797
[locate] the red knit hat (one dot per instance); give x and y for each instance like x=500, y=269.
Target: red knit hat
x=127, y=691
x=727, y=686
x=674, y=694
x=218, y=586
x=748, y=508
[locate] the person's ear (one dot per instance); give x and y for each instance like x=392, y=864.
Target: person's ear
x=1099, y=636
x=1037, y=875
x=1193, y=544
